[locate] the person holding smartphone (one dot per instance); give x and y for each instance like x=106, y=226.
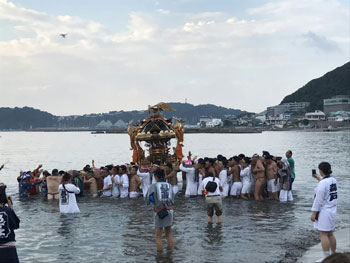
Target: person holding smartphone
x=324, y=208
x=8, y=223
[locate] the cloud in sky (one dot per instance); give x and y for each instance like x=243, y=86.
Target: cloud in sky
x=249, y=61
x=320, y=42
x=162, y=11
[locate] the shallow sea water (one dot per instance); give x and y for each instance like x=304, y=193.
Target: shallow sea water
x=119, y=230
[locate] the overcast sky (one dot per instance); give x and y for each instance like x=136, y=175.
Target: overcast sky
x=126, y=54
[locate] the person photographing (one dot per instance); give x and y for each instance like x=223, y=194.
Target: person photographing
x=8, y=223
x=324, y=208
x=213, y=200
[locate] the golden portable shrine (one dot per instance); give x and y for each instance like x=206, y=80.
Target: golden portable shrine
x=156, y=133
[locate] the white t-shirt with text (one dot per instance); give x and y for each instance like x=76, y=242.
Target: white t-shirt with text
x=68, y=202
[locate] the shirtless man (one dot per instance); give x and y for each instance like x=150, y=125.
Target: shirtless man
x=91, y=181
x=258, y=170
x=99, y=178
x=171, y=177
x=134, y=183
x=209, y=166
x=237, y=184
x=53, y=181
x=271, y=174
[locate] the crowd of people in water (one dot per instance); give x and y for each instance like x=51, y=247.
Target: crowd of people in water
x=255, y=177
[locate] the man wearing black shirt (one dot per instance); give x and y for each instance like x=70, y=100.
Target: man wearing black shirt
x=8, y=223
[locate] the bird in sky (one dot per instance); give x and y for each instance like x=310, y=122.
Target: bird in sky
x=64, y=35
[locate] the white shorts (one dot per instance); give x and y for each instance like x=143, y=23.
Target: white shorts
x=175, y=189
x=326, y=220
x=271, y=186
x=225, y=189
x=116, y=194
x=236, y=188
x=246, y=188
x=145, y=190
x=200, y=188
x=286, y=196
x=133, y=194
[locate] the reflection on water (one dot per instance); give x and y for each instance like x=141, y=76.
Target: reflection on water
x=67, y=223
x=213, y=236
x=119, y=230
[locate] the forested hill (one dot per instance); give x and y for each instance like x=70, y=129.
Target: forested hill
x=26, y=118
x=335, y=82
x=191, y=113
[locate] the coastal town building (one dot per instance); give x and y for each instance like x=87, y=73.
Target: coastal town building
x=290, y=108
x=339, y=116
x=120, y=124
x=336, y=103
x=315, y=116
x=276, y=110
x=209, y=122
x=277, y=121
x=104, y=124
x=260, y=117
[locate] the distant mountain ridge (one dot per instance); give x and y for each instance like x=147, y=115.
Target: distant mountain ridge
x=335, y=82
x=26, y=117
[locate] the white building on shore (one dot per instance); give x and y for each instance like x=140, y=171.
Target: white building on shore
x=315, y=116
x=104, y=124
x=209, y=122
x=292, y=108
x=277, y=121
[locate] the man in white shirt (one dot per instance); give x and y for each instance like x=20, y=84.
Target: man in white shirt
x=145, y=180
x=221, y=165
x=191, y=185
x=116, y=181
x=245, y=178
x=213, y=200
x=107, y=184
x=67, y=192
x=124, y=182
